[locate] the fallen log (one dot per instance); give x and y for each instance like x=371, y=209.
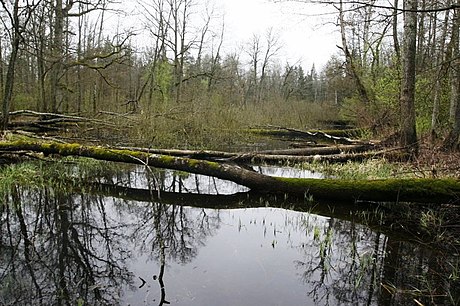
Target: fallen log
x=46, y=119
x=391, y=190
x=255, y=158
x=270, y=156
x=329, y=150
x=314, y=135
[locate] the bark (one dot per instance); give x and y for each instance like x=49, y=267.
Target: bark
x=254, y=158
x=10, y=74
x=452, y=141
x=350, y=61
x=407, y=102
x=57, y=54
x=327, y=154
x=391, y=190
x=442, y=72
x=395, y=33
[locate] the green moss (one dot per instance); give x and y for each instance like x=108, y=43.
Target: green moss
x=166, y=159
x=416, y=190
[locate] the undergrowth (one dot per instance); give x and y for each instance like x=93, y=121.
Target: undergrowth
x=56, y=174
x=364, y=170
x=208, y=124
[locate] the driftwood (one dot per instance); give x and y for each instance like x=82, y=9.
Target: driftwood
x=413, y=190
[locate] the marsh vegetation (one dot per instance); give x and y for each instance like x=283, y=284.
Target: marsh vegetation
x=182, y=173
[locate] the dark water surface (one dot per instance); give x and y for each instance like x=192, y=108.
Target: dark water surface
x=121, y=244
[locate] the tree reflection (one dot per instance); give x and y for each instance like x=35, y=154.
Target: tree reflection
x=416, y=273
x=169, y=232
x=59, y=250
x=354, y=265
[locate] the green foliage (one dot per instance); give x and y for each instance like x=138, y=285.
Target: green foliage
x=423, y=124
x=20, y=174
x=54, y=174
x=23, y=100
x=163, y=78
x=368, y=169
x=431, y=220
x=424, y=103
x=387, y=88
x=383, y=109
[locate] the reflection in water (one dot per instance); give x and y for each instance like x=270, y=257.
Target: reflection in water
x=122, y=245
x=60, y=249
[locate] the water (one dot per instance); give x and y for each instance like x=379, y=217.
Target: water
x=121, y=245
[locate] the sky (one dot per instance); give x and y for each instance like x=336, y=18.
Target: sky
x=306, y=33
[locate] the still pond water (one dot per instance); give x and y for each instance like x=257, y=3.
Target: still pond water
x=204, y=242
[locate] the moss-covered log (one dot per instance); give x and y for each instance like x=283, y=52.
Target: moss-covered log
x=413, y=190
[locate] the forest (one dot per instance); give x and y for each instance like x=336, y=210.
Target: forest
x=396, y=71
x=148, y=158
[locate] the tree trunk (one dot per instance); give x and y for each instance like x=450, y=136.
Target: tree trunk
x=350, y=61
x=57, y=54
x=395, y=33
x=336, y=154
x=9, y=81
x=408, y=124
x=452, y=140
x=1, y=64
x=208, y=154
x=439, y=76
x=391, y=190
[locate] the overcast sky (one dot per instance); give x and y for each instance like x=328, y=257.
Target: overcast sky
x=306, y=32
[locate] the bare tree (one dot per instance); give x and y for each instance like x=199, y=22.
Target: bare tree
x=442, y=70
x=350, y=60
x=407, y=101
x=261, y=54
x=18, y=17
x=179, y=26
x=254, y=51
x=272, y=48
x=452, y=141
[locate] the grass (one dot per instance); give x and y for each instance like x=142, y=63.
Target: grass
x=56, y=174
x=365, y=170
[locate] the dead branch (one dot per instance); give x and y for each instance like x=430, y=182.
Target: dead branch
x=311, y=135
